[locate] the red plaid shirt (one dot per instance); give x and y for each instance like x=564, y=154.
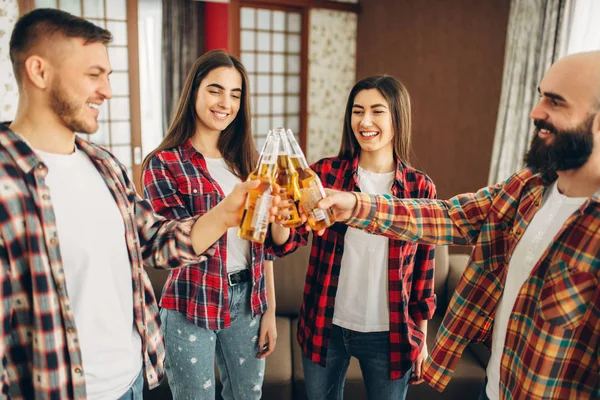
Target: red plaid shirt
x=410, y=273
x=178, y=184
x=39, y=346
x=552, y=341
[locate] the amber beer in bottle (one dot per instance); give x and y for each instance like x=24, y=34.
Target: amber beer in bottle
x=255, y=220
x=310, y=188
x=287, y=179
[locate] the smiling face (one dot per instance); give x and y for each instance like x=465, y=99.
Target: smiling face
x=80, y=85
x=218, y=99
x=565, y=116
x=372, y=121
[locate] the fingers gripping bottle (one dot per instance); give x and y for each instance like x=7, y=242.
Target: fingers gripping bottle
x=310, y=188
x=287, y=179
x=255, y=220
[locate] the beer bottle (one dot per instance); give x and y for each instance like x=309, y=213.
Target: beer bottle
x=255, y=220
x=287, y=179
x=310, y=188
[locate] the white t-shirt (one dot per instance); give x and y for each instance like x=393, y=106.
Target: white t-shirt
x=361, y=301
x=238, y=250
x=97, y=269
x=542, y=229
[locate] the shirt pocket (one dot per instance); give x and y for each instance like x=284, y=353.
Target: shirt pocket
x=566, y=294
x=197, y=202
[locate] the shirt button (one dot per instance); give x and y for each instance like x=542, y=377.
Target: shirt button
x=78, y=371
x=46, y=197
x=515, y=318
x=70, y=330
x=40, y=166
x=53, y=241
x=195, y=191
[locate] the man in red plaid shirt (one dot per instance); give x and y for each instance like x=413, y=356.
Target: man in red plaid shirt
x=531, y=288
x=78, y=317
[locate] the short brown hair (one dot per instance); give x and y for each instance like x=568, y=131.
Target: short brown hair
x=47, y=24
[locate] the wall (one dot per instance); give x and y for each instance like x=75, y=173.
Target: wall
x=450, y=56
x=9, y=12
x=331, y=74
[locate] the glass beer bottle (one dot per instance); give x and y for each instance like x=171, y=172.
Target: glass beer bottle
x=287, y=179
x=255, y=220
x=310, y=188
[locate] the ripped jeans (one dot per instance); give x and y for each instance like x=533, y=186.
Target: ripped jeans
x=191, y=353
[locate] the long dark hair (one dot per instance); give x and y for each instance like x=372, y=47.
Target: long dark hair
x=398, y=99
x=235, y=142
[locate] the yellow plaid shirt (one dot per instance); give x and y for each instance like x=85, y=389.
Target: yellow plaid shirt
x=552, y=340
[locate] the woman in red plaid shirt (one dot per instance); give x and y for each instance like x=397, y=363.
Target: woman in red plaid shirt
x=217, y=307
x=368, y=296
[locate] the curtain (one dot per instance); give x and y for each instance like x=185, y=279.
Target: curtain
x=182, y=44
x=536, y=38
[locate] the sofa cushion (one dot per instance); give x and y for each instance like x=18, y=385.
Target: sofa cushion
x=290, y=275
x=440, y=277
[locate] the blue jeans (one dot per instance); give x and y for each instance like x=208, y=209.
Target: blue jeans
x=372, y=350
x=136, y=390
x=191, y=350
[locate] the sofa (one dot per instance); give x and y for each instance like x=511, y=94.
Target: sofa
x=284, y=378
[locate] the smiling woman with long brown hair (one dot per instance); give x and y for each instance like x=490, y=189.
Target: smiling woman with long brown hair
x=218, y=307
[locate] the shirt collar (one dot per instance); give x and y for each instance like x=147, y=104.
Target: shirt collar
x=27, y=159
x=398, y=177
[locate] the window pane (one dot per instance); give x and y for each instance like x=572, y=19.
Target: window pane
x=45, y=3
x=264, y=41
x=93, y=8
x=264, y=19
x=119, y=108
x=278, y=20
x=119, y=82
x=103, y=116
x=278, y=104
x=247, y=17
x=263, y=63
x=118, y=58
x=248, y=59
x=262, y=126
x=71, y=6
x=253, y=83
x=279, y=42
x=278, y=84
x=263, y=85
x=120, y=133
x=293, y=105
x=278, y=63
x=254, y=127
x=293, y=83
x=101, y=135
x=263, y=106
x=119, y=32
x=123, y=154
x=248, y=40
x=278, y=122
x=294, y=22
x=115, y=9
x=293, y=64
x=260, y=141
x=293, y=43
x=294, y=124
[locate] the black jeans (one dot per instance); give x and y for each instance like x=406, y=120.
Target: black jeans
x=483, y=394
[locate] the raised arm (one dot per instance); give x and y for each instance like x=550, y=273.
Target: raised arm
x=455, y=221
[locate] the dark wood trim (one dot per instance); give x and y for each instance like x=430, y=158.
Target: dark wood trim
x=233, y=30
x=304, y=80
x=306, y=4
x=134, y=89
x=25, y=6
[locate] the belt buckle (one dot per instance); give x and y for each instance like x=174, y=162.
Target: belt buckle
x=229, y=279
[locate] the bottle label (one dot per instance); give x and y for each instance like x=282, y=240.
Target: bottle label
x=260, y=219
x=310, y=197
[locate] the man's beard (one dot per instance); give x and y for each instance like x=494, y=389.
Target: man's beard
x=569, y=150
x=67, y=111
